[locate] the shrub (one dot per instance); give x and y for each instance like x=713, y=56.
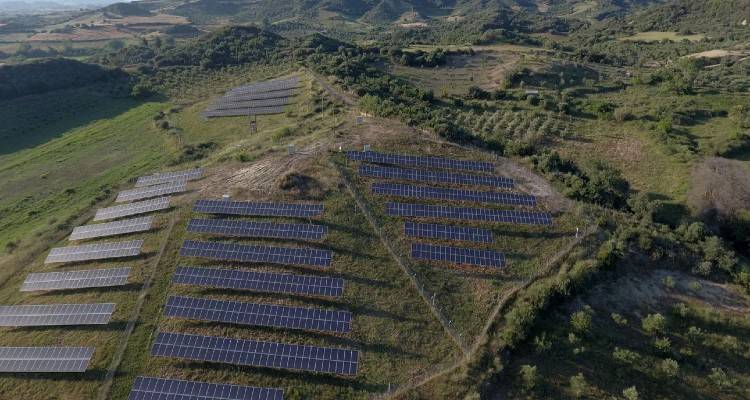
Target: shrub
x=662, y=344
x=542, y=344
x=619, y=319
x=625, y=356
x=630, y=393
x=580, y=321
x=654, y=323
x=720, y=378
x=695, y=286
x=669, y=368
x=668, y=281
x=578, y=386
x=528, y=376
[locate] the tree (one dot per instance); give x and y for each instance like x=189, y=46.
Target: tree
x=528, y=376
x=580, y=321
x=630, y=393
x=669, y=368
x=654, y=323
x=578, y=385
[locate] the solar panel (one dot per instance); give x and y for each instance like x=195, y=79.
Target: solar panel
x=76, y=279
x=276, y=84
x=256, y=353
x=257, y=229
x=428, y=192
x=254, y=253
x=466, y=213
x=259, y=281
x=276, y=316
x=45, y=359
x=112, y=228
x=140, y=207
x=149, y=388
x=152, y=191
x=457, y=255
x=245, y=104
x=165, y=177
x=258, y=209
x=94, y=251
x=425, y=175
x=448, y=232
x=418, y=161
x=56, y=314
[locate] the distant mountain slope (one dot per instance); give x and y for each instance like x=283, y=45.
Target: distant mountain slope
x=694, y=15
x=126, y=10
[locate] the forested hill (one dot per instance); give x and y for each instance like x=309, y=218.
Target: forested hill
x=47, y=75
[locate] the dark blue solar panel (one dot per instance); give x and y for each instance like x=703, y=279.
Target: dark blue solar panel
x=237, y=312
x=150, y=388
x=466, y=213
x=427, y=192
x=418, y=161
x=260, y=209
x=259, y=281
x=457, y=255
x=447, y=232
x=257, y=229
x=256, y=353
x=259, y=254
x=425, y=175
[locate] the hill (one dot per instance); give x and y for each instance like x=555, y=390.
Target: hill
x=126, y=10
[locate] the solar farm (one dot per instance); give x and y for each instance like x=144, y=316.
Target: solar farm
x=273, y=295
x=263, y=98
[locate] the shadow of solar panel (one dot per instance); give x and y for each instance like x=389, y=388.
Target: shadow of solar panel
x=149, y=388
x=271, y=315
x=257, y=229
x=243, y=112
x=418, y=161
x=458, y=255
x=248, y=104
x=112, y=228
x=56, y=314
x=448, y=232
x=259, y=281
x=424, y=175
x=96, y=251
x=253, y=253
x=45, y=359
x=166, y=177
x=152, y=191
x=258, y=209
x=466, y=213
x=76, y=279
x=256, y=353
x=427, y=192
x=139, y=207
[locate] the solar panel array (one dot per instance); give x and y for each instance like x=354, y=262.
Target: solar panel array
x=424, y=175
x=243, y=112
x=240, y=104
x=448, y=232
x=236, y=312
x=419, y=161
x=95, y=251
x=256, y=353
x=165, y=177
x=276, y=94
x=458, y=255
x=45, y=359
x=152, y=191
x=268, y=86
x=254, y=253
x=112, y=228
x=149, y=388
x=428, y=192
x=259, y=281
x=56, y=314
x=76, y=279
x=140, y=207
x=258, y=209
x=466, y=213
x=257, y=229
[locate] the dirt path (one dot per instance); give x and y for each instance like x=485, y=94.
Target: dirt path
x=408, y=271
x=104, y=390
x=345, y=98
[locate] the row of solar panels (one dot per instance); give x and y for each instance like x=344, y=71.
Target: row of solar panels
x=243, y=112
x=76, y=359
x=224, y=104
x=263, y=98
